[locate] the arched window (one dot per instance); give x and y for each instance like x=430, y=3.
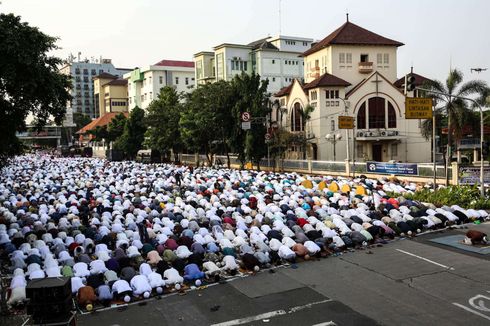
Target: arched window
x=361, y=117
x=297, y=118
x=391, y=116
x=377, y=112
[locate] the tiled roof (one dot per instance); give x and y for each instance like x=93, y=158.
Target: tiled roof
x=284, y=91
x=105, y=75
x=419, y=80
x=116, y=82
x=351, y=34
x=100, y=122
x=175, y=63
x=327, y=80
x=262, y=44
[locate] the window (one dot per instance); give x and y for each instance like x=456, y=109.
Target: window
x=93, y=72
x=297, y=118
x=305, y=43
x=160, y=79
x=361, y=117
x=77, y=79
x=391, y=116
x=149, y=80
x=151, y=95
x=317, y=63
x=394, y=150
x=142, y=98
x=176, y=80
x=313, y=96
x=129, y=86
x=144, y=82
x=364, y=58
x=101, y=71
x=348, y=58
x=332, y=125
x=273, y=79
x=386, y=58
x=192, y=78
x=187, y=80
x=85, y=79
x=273, y=61
x=342, y=58
x=332, y=93
x=377, y=113
x=77, y=71
x=85, y=71
x=379, y=58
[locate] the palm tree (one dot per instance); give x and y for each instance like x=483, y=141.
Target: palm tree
x=457, y=110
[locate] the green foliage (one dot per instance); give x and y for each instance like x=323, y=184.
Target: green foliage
x=207, y=124
x=29, y=81
x=115, y=128
x=464, y=196
x=131, y=140
x=163, y=121
x=80, y=120
x=251, y=95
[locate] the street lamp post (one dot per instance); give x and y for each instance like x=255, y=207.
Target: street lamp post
x=346, y=108
x=333, y=138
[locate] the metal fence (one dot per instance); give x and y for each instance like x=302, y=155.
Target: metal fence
x=425, y=169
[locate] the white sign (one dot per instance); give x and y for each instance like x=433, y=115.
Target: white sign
x=246, y=117
x=246, y=125
x=268, y=136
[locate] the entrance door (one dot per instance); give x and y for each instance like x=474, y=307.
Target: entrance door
x=377, y=152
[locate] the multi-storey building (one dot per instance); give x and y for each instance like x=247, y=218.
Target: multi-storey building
x=352, y=72
x=273, y=58
x=82, y=91
x=144, y=84
x=110, y=94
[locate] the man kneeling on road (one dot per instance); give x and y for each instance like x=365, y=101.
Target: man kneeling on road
x=474, y=237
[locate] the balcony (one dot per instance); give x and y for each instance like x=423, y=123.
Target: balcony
x=313, y=69
x=365, y=67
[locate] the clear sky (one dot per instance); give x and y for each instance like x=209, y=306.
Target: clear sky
x=142, y=32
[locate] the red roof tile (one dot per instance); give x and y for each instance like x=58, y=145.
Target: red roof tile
x=419, y=80
x=105, y=75
x=284, y=91
x=175, y=63
x=351, y=34
x=327, y=80
x=120, y=82
x=101, y=121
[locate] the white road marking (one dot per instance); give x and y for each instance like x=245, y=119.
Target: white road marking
x=471, y=310
x=270, y=314
x=327, y=323
x=425, y=259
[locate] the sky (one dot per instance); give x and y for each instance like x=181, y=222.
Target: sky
x=438, y=34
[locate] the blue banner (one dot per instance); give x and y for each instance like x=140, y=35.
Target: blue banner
x=392, y=168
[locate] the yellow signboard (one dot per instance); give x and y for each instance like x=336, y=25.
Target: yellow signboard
x=346, y=122
x=418, y=108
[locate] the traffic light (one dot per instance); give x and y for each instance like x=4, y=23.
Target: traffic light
x=410, y=83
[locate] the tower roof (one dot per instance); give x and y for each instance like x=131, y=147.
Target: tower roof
x=352, y=34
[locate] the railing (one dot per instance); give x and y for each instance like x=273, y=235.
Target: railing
x=365, y=67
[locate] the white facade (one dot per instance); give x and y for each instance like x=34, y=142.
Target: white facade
x=82, y=92
x=273, y=58
x=355, y=80
x=144, y=84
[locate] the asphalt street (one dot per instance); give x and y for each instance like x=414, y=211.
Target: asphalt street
x=406, y=282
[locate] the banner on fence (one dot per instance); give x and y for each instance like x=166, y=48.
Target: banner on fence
x=392, y=168
x=470, y=175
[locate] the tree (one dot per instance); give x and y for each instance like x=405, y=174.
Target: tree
x=29, y=81
x=456, y=109
x=251, y=96
x=163, y=121
x=115, y=128
x=80, y=120
x=207, y=121
x=131, y=140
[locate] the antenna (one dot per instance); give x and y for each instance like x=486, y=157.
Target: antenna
x=280, y=22
x=347, y=14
